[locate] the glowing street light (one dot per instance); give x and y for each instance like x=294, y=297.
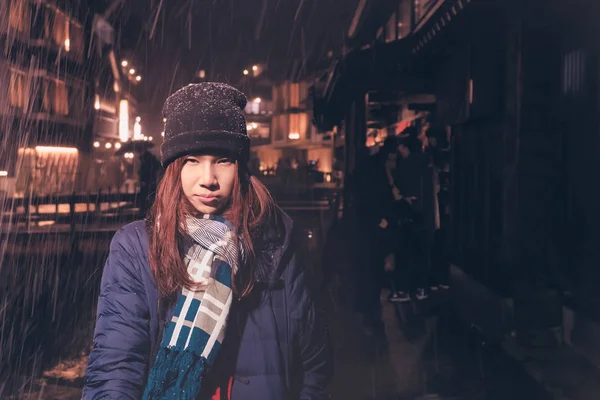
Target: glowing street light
x=137, y=129
x=124, y=63
x=96, y=144
x=132, y=71
x=138, y=78
x=257, y=100
x=117, y=145
x=254, y=68
x=108, y=145
x=246, y=72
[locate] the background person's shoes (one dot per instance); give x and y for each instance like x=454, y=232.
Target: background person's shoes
x=399, y=297
x=421, y=294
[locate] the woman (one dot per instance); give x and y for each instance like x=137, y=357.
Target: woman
x=203, y=300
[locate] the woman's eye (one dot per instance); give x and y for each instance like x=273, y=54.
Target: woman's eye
x=191, y=160
x=225, y=161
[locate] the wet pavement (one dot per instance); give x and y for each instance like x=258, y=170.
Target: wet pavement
x=425, y=353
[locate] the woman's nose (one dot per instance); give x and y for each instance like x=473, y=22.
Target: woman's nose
x=207, y=176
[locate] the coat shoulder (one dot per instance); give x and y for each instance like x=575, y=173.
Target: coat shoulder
x=129, y=245
x=133, y=237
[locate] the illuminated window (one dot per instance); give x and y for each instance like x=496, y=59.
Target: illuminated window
x=252, y=107
x=259, y=131
x=48, y=88
x=76, y=37
x=294, y=95
x=404, y=19
x=390, y=29
x=277, y=98
x=61, y=98
x=298, y=126
x=280, y=123
x=17, y=89
x=19, y=16
x=57, y=28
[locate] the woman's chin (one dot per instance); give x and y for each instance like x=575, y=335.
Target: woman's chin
x=210, y=209
x=206, y=209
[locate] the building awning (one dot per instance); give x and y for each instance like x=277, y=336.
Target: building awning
x=437, y=20
x=394, y=66
x=382, y=67
x=369, y=16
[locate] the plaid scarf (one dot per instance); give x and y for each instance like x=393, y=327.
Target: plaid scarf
x=194, y=335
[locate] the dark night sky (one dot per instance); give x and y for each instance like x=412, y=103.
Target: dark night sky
x=224, y=41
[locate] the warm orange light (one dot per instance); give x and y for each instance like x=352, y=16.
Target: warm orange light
x=132, y=71
x=3, y=173
x=294, y=136
x=49, y=149
x=46, y=223
x=246, y=72
x=124, y=120
x=124, y=63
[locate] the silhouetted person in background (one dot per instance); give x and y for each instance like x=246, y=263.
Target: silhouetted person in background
x=415, y=183
x=374, y=202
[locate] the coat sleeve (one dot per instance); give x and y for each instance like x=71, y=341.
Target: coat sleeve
x=117, y=365
x=313, y=343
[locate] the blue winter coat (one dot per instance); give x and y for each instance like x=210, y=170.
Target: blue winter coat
x=284, y=350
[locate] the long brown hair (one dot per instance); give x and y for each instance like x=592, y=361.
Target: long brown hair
x=250, y=210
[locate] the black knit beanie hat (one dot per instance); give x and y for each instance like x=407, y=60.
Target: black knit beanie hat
x=205, y=116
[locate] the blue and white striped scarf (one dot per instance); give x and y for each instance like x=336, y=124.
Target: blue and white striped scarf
x=194, y=335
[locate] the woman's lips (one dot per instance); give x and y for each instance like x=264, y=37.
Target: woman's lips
x=206, y=198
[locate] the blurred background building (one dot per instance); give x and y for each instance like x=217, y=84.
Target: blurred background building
x=46, y=117
x=286, y=148
x=72, y=101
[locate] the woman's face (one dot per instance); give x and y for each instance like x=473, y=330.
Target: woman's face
x=207, y=181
